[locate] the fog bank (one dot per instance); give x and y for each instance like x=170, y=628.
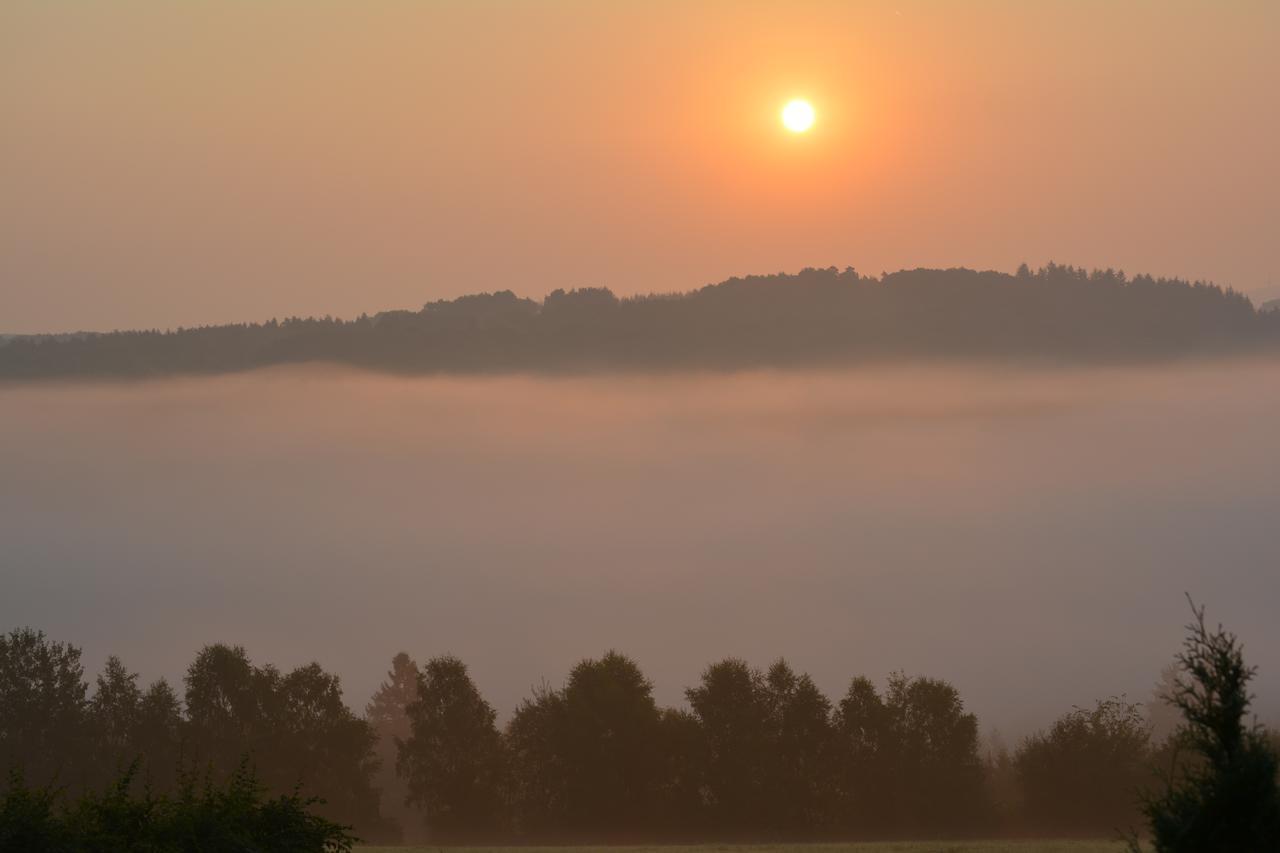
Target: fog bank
x=1026, y=535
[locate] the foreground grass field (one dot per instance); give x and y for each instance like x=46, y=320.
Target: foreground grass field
x=1047, y=846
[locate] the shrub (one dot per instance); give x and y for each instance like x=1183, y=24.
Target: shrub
x=200, y=817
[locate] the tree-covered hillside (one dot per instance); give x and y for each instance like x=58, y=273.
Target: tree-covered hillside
x=815, y=317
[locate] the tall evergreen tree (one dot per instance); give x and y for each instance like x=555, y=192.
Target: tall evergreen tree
x=160, y=734
x=114, y=713
x=1227, y=798
x=388, y=715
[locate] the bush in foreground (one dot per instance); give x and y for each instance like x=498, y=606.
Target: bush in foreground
x=200, y=817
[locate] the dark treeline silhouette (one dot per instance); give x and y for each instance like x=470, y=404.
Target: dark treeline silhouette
x=815, y=317
x=755, y=755
x=293, y=727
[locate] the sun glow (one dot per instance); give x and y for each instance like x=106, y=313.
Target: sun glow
x=798, y=116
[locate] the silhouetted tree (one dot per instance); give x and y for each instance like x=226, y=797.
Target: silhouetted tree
x=294, y=728
x=800, y=779
x=909, y=760
x=115, y=708
x=862, y=732
x=43, y=711
x=388, y=715
x=158, y=739
x=452, y=759
x=934, y=767
x=607, y=742
x=1227, y=799
x=224, y=713
x=599, y=741
x=1081, y=777
x=535, y=785
x=732, y=706
x=320, y=744
x=682, y=778
x=114, y=714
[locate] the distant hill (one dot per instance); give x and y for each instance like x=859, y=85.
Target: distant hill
x=62, y=336
x=1269, y=306
x=814, y=317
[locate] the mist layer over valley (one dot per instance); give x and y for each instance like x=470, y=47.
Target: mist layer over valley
x=1027, y=535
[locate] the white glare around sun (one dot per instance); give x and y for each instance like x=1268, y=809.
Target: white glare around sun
x=798, y=116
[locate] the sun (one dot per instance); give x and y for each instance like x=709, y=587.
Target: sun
x=798, y=116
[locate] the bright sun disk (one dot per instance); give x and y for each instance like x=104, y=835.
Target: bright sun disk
x=798, y=116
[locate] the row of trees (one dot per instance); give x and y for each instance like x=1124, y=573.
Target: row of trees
x=815, y=317
x=294, y=727
x=756, y=754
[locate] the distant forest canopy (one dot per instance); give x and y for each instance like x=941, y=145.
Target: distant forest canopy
x=817, y=317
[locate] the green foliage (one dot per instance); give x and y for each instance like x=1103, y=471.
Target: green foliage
x=28, y=818
x=1227, y=799
x=199, y=817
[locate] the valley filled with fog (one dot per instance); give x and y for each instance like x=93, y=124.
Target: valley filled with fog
x=1027, y=535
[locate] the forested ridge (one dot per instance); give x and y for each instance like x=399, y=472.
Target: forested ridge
x=815, y=317
x=754, y=754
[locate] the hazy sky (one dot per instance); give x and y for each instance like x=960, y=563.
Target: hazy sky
x=172, y=163
x=1027, y=535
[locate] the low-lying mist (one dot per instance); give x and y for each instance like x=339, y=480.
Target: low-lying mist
x=1027, y=535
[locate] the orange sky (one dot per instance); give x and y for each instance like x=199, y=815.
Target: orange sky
x=179, y=163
